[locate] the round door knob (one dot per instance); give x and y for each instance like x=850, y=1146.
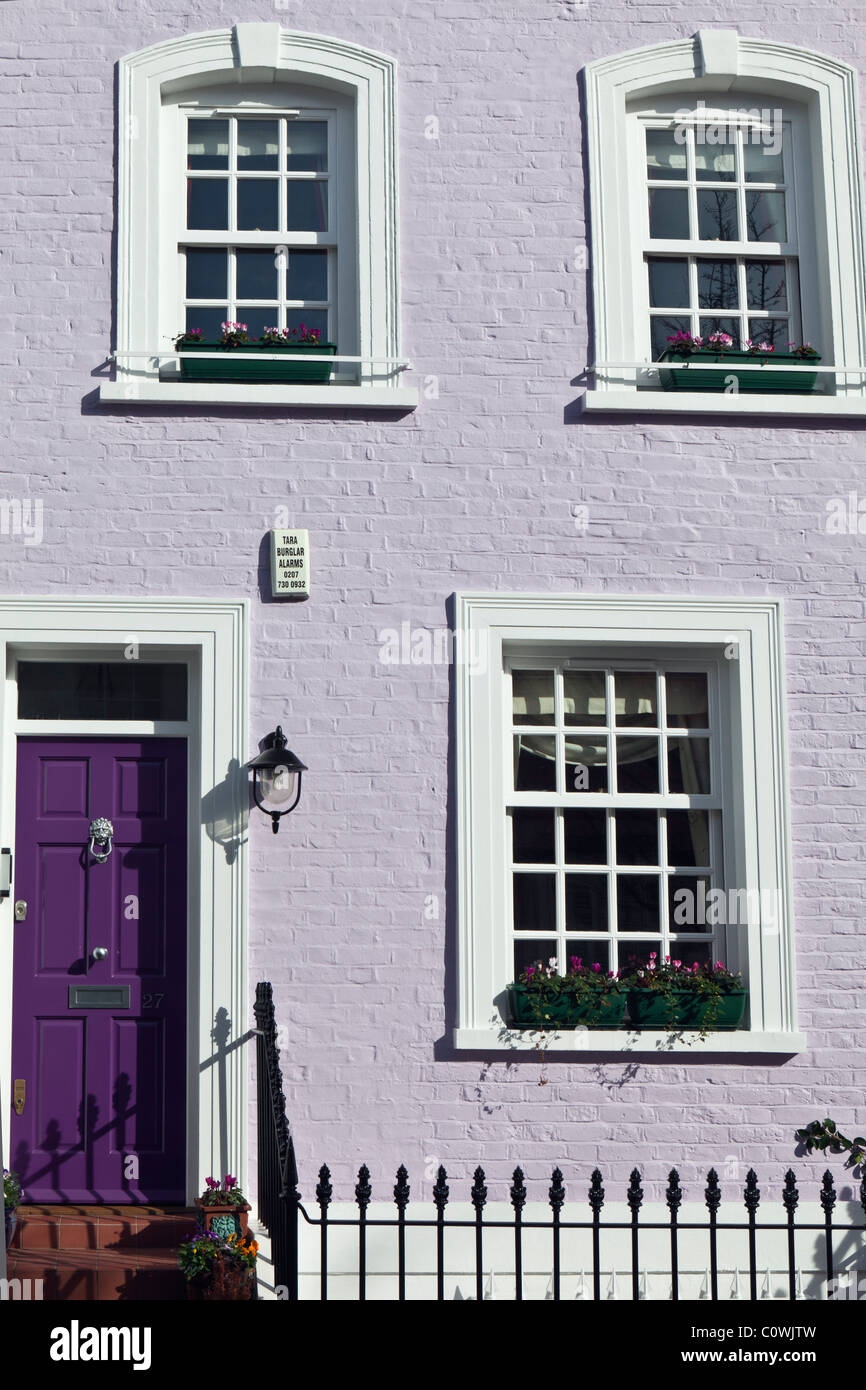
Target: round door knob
x=100, y=952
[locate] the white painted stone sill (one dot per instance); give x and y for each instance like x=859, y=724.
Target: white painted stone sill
x=705, y=403
x=623, y=1040
x=325, y=398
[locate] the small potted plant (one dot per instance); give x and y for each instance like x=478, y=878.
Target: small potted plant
x=757, y=376
x=218, y=1267
x=672, y=995
x=222, y=1208
x=585, y=997
x=290, y=343
x=11, y=1201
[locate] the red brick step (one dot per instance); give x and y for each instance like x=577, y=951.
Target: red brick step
x=101, y=1252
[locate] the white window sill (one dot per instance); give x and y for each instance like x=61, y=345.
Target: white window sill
x=623, y=1040
x=206, y=393
x=707, y=403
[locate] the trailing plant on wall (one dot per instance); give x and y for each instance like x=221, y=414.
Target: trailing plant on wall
x=823, y=1135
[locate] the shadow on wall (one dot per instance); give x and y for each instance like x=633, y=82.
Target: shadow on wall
x=225, y=810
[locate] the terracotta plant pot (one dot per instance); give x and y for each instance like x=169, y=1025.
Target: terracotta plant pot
x=227, y=1284
x=222, y=1218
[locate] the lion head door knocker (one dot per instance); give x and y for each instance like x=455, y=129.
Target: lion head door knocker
x=101, y=834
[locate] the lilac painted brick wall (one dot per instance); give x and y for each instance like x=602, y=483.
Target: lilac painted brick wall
x=474, y=490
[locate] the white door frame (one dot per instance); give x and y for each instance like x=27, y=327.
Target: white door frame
x=213, y=635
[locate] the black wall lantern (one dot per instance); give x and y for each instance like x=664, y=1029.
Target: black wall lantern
x=276, y=778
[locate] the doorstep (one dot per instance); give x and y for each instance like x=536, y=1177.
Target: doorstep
x=126, y=1253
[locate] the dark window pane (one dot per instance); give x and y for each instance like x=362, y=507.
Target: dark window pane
x=637, y=837
x=580, y=952
x=585, y=764
x=689, y=765
x=634, y=955
x=585, y=837
x=637, y=766
x=635, y=698
x=765, y=216
x=207, y=204
x=688, y=908
x=668, y=283
x=532, y=832
x=669, y=213
x=258, y=145
x=307, y=147
x=529, y=952
x=206, y=274
x=308, y=319
x=717, y=323
x=663, y=328
x=688, y=952
x=101, y=690
x=208, y=320
x=637, y=902
x=534, y=764
x=718, y=219
x=687, y=700
x=532, y=697
x=208, y=144
x=534, y=902
x=307, y=275
x=258, y=205
x=776, y=332
x=688, y=839
x=586, y=902
x=584, y=698
x=257, y=275
x=717, y=285
x=308, y=205
x=766, y=285
x=665, y=155
x=714, y=163
x=257, y=318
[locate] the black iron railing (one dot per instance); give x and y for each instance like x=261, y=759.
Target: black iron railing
x=281, y=1208
x=278, y=1195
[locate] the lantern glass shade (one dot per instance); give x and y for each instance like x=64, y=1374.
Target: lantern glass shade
x=276, y=786
x=276, y=777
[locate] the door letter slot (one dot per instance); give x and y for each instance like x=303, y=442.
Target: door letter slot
x=98, y=997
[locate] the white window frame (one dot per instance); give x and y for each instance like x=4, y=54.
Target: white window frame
x=716, y=801
x=337, y=242
x=253, y=59
x=799, y=263
x=745, y=636
x=674, y=76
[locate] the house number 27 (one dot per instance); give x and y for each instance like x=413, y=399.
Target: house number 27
x=152, y=1001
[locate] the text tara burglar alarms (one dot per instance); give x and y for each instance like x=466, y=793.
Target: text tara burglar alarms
x=290, y=564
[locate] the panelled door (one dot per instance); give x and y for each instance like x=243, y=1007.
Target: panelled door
x=100, y=958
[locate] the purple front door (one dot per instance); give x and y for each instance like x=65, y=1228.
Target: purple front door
x=99, y=987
